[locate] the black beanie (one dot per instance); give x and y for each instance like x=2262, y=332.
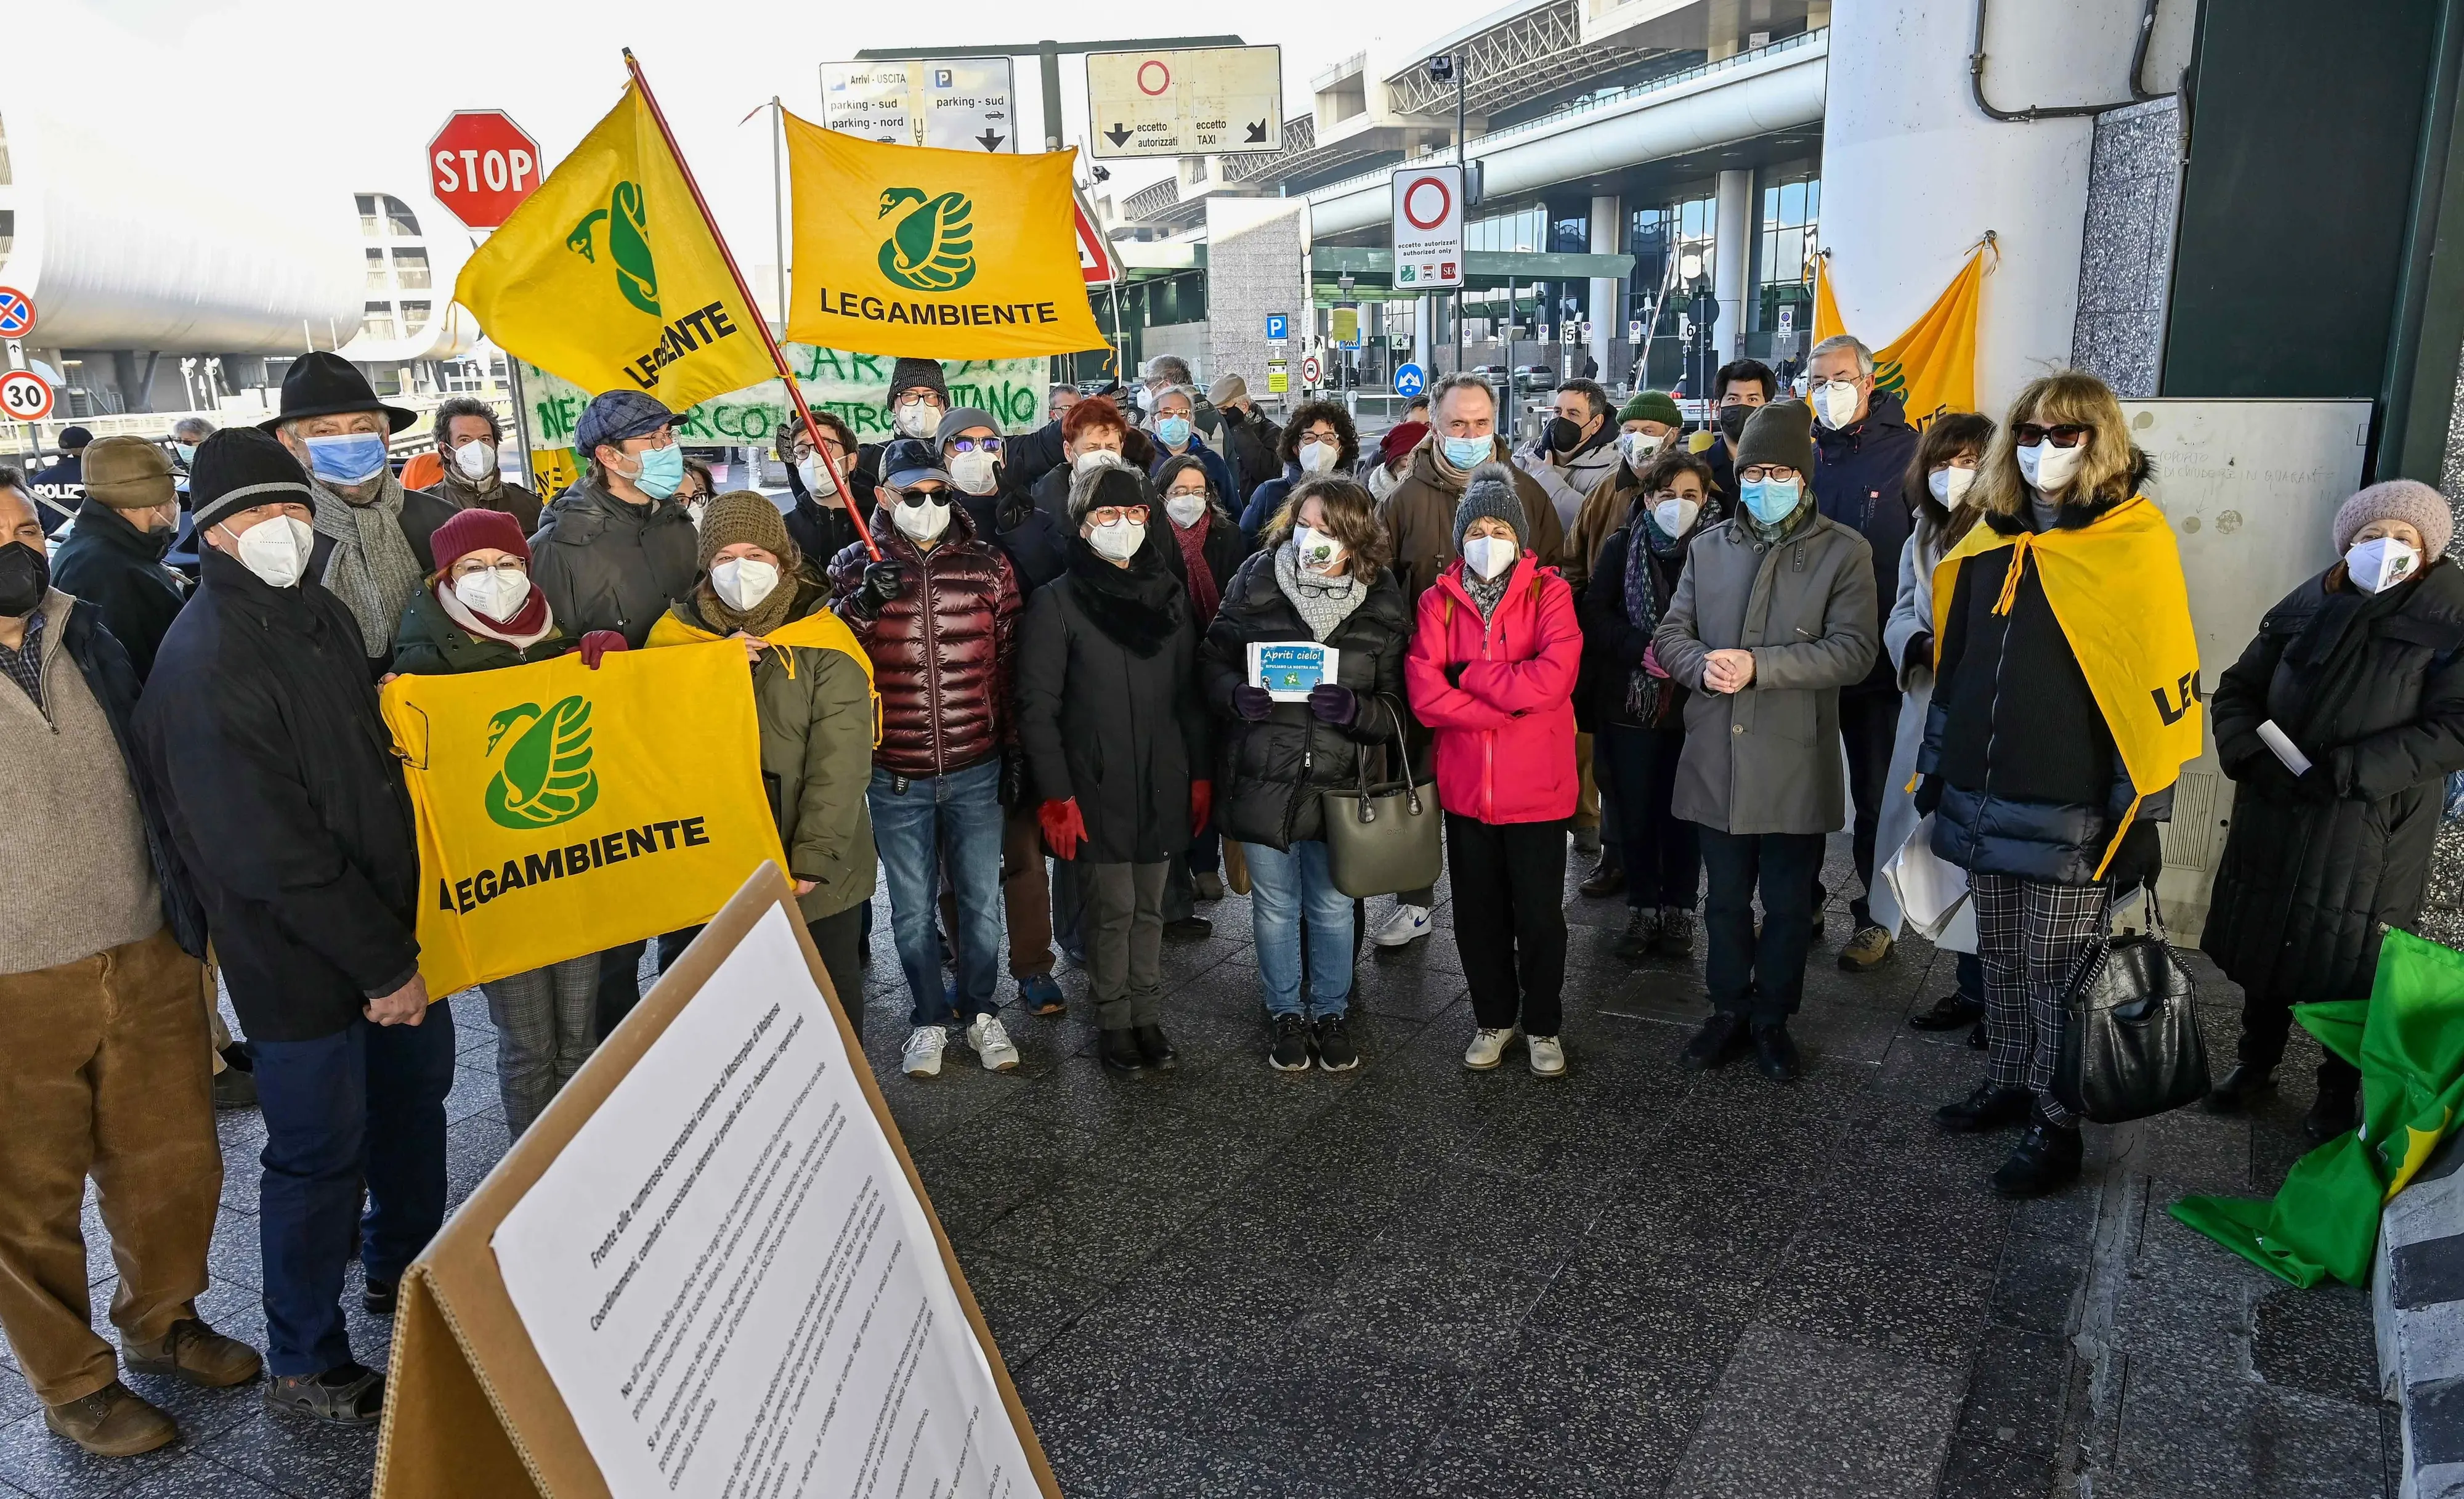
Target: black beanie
x=241, y=467
x=909, y=373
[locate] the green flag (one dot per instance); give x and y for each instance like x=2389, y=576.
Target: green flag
x=2408, y=1042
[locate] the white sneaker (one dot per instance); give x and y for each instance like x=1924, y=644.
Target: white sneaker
x=992, y=1044
x=923, y=1056
x=1408, y=925
x=1548, y=1055
x=1488, y=1048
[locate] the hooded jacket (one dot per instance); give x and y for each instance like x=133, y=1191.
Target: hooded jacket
x=1419, y=514
x=1504, y=729
x=942, y=652
x=608, y=564
x=1268, y=773
x=111, y=564
x=260, y=736
x=1568, y=482
x=1860, y=481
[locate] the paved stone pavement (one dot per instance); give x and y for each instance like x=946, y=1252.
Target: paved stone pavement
x=1416, y=1281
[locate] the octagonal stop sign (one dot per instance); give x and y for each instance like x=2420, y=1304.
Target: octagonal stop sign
x=481, y=165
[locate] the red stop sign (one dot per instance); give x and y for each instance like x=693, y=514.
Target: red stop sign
x=482, y=165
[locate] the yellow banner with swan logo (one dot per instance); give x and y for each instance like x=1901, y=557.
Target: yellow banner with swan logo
x=941, y=254
x=562, y=811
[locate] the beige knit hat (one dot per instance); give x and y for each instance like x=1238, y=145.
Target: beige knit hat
x=745, y=515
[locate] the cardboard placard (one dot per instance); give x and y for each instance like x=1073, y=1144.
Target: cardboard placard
x=470, y=1409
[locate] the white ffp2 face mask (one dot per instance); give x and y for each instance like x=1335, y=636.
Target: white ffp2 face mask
x=921, y=521
x=1834, y=401
x=972, y=471
x=1118, y=541
x=1094, y=457
x=1318, y=552
x=276, y=550
x=742, y=582
x=497, y=592
x=1315, y=456
x=1676, y=517
x=1490, y=555
x=475, y=459
x=1639, y=448
x=819, y=481
x=2379, y=564
x=1185, y=510
x=1949, y=486
x=2049, y=470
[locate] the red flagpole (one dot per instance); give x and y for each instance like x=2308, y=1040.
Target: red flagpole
x=778, y=355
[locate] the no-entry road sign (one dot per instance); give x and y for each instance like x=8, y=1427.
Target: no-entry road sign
x=481, y=165
x=16, y=312
x=24, y=397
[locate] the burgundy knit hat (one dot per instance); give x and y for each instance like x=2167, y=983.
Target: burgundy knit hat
x=470, y=530
x=1401, y=439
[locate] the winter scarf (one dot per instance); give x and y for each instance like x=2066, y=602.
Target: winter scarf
x=1774, y=535
x=1137, y=607
x=1205, y=593
x=1485, y=592
x=372, y=570
x=746, y=516
x=1644, y=540
x=531, y=624
x=1324, y=603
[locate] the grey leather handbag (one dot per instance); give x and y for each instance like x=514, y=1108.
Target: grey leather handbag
x=1386, y=837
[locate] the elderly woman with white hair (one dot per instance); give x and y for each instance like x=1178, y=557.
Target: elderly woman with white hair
x=2362, y=670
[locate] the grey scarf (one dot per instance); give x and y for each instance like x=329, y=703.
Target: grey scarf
x=372, y=569
x=1324, y=603
x=1485, y=592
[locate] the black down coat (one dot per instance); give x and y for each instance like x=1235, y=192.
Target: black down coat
x=1269, y=774
x=2371, y=689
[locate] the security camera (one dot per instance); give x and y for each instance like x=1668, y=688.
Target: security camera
x=1442, y=68
x=1102, y=173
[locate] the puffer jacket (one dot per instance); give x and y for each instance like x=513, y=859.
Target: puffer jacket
x=942, y=651
x=2031, y=783
x=2371, y=688
x=1268, y=773
x=1504, y=731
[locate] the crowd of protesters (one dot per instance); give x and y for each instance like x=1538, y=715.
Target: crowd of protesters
x=1029, y=709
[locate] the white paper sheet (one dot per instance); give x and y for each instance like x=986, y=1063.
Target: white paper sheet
x=731, y=1281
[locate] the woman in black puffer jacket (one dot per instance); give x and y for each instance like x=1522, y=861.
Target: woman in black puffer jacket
x=2362, y=669
x=1322, y=577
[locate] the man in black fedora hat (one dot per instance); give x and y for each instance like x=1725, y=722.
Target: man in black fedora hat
x=372, y=534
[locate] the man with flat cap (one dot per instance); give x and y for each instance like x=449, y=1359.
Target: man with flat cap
x=114, y=559
x=286, y=805
x=617, y=548
x=371, y=548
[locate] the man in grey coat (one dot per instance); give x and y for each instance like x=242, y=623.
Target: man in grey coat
x=1774, y=614
x=617, y=548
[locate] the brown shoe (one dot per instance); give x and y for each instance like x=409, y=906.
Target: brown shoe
x=112, y=1422
x=195, y=1352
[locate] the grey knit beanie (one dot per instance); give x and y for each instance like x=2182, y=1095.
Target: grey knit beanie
x=1781, y=433
x=1490, y=493
x=2408, y=500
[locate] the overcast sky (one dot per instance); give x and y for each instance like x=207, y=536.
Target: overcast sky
x=368, y=85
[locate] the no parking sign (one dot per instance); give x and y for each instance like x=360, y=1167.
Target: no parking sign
x=16, y=312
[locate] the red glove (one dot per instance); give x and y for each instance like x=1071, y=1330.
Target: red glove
x=1064, y=829
x=596, y=644
x=1201, y=806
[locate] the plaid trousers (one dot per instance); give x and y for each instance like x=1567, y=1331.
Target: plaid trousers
x=2031, y=936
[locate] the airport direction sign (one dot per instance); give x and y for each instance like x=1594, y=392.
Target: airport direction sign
x=1428, y=236
x=1185, y=101
x=16, y=312
x=953, y=104
x=25, y=396
x=481, y=167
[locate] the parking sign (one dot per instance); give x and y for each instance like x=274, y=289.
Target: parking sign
x=1279, y=327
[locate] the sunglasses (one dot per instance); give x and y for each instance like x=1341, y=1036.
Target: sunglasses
x=991, y=445
x=2068, y=434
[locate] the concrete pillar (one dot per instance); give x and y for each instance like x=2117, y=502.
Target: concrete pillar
x=1913, y=172
x=1608, y=300
x=1728, y=257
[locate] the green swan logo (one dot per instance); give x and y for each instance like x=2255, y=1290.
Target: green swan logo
x=542, y=760
x=933, y=247
x=628, y=247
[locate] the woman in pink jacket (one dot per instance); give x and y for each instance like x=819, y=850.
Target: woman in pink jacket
x=1491, y=671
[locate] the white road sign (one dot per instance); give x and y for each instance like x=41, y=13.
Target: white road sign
x=1196, y=101
x=956, y=104
x=1428, y=228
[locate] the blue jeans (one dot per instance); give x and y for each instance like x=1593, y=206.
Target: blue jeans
x=963, y=813
x=1286, y=888
x=365, y=1104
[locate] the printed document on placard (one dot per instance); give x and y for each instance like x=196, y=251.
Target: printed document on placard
x=730, y=1282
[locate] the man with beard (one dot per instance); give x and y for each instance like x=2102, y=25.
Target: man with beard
x=467, y=439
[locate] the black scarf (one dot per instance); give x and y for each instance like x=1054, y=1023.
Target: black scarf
x=1138, y=608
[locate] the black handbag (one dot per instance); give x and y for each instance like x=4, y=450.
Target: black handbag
x=2131, y=1047
x=1383, y=838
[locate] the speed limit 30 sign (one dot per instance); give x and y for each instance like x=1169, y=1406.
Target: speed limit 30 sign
x=25, y=396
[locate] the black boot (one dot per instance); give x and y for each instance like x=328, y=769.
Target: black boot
x=1990, y=1107
x=1156, y=1050
x=1775, y=1054
x=1641, y=930
x=2235, y=1090
x=2047, y=1160
x=1720, y=1040
x=1121, y=1053
x=2331, y=1112
x=1948, y=1013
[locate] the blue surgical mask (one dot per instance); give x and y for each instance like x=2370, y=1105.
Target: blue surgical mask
x=187, y=451
x=1771, y=500
x=349, y=458
x=1468, y=452
x=1172, y=431
x=663, y=472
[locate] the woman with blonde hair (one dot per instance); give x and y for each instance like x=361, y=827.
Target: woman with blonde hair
x=2064, y=706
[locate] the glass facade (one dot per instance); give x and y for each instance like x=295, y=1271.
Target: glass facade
x=1789, y=208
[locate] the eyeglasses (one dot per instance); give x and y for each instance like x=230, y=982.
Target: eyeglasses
x=991, y=445
x=471, y=568
x=1761, y=471
x=1107, y=515
x=2068, y=434
x=1185, y=494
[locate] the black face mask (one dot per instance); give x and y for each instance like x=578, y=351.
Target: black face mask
x=1732, y=422
x=25, y=576
x=1564, y=435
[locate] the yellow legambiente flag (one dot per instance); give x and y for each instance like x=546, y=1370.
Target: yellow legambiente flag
x=610, y=276
x=562, y=811
x=944, y=255
x=1932, y=367
x=2115, y=589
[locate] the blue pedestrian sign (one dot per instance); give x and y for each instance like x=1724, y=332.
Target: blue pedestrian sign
x=1279, y=327
x=1408, y=380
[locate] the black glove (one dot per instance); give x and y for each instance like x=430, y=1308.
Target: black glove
x=1455, y=672
x=1334, y=704
x=1920, y=651
x=883, y=581
x=2315, y=784
x=1013, y=777
x=1929, y=795
x=1252, y=703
